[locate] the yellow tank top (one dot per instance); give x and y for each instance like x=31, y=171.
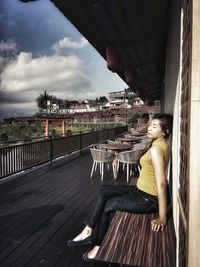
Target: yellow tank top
x=147, y=180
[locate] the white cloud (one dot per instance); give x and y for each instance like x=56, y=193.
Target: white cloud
x=8, y=46
x=67, y=42
x=26, y=73
x=26, y=77
x=7, y=52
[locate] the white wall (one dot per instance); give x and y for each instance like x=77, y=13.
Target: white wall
x=193, y=219
x=171, y=96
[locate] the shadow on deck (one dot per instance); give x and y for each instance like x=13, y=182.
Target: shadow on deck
x=41, y=209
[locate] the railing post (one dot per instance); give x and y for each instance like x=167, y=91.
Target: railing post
x=97, y=134
x=80, y=142
x=63, y=128
x=51, y=148
x=47, y=128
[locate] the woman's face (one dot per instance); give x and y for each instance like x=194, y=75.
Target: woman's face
x=154, y=130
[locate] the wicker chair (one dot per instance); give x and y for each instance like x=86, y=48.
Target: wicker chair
x=128, y=158
x=139, y=146
x=98, y=146
x=146, y=140
x=111, y=141
x=133, y=131
x=127, y=135
x=100, y=157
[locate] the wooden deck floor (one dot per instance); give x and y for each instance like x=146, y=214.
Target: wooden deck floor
x=40, y=210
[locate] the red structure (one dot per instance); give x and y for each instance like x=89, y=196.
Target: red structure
x=113, y=59
x=49, y=120
x=129, y=75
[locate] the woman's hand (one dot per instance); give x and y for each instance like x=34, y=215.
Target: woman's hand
x=158, y=224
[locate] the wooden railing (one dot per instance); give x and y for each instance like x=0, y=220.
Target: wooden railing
x=17, y=158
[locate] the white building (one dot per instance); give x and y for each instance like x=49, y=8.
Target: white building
x=121, y=99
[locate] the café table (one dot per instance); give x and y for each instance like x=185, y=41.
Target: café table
x=138, y=134
x=116, y=147
x=131, y=139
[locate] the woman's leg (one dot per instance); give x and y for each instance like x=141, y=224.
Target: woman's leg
x=106, y=192
x=133, y=202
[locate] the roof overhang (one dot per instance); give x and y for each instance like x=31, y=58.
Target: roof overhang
x=136, y=28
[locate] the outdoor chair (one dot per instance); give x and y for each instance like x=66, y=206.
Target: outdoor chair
x=139, y=146
x=101, y=157
x=128, y=135
x=128, y=158
x=146, y=140
x=98, y=146
x=111, y=142
x=132, y=130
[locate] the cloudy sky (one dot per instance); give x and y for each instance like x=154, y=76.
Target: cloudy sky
x=41, y=50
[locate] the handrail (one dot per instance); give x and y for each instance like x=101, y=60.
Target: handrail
x=19, y=157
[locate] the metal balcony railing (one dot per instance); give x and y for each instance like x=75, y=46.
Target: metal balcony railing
x=17, y=158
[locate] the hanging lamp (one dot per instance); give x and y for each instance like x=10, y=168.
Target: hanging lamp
x=129, y=76
x=148, y=101
x=113, y=59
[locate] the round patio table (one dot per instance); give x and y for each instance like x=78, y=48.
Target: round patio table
x=132, y=139
x=138, y=134
x=117, y=146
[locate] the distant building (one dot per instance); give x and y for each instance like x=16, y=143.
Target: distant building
x=81, y=107
x=78, y=108
x=122, y=99
x=119, y=100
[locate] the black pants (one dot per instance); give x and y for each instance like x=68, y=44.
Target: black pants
x=111, y=198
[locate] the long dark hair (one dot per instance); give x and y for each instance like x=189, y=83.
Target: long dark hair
x=166, y=121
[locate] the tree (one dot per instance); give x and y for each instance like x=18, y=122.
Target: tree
x=43, y=98
x=134, y=118
x=66, y=103
x=102, y=99
x=4, y=137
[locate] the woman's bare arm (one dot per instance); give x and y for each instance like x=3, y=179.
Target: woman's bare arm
x=158, y=161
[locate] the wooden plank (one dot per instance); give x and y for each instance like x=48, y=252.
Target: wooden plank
x=53, y=241
x=37, y=219
x=41, y=210
x=21, y=224
x=131, y=241
x=30, y=235
x=35, y=227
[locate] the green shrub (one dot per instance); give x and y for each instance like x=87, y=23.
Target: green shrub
x=69, y=132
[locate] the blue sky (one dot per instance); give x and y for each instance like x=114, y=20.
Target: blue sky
x=41, y=50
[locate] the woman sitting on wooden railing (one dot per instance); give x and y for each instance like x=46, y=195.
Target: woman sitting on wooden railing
x=148, y=196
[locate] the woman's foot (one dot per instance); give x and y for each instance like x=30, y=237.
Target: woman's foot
x=84, y=238
x=92, y=253
x=87, y=231
x=89, y=256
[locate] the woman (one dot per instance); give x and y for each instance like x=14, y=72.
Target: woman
x=148, y=196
